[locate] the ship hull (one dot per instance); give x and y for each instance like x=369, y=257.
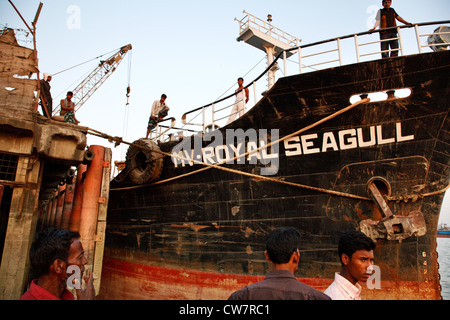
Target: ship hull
x=443, y=234
x=202, y=236
x=125, y=280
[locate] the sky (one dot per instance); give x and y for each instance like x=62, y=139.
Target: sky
x=185, y=49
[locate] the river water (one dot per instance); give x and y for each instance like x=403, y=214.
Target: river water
x=443, y=249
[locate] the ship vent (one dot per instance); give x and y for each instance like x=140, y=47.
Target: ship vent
x=383, y=95
x=8, y=165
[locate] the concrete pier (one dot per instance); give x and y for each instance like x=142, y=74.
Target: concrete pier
x=37, y=155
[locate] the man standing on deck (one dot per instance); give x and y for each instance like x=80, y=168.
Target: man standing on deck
x=241, y=101
x=159, y=111
x=355, y=251
x=46, y=96
x=282, y=249
x=386, y=19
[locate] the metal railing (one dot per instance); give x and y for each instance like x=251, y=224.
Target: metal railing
x=250, y=21
x=329, y=53
x=161, y=130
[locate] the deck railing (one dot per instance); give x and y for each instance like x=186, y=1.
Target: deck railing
x=312, y=57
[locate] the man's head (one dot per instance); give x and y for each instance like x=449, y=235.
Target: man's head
x=163, y=97
x=54, y=250
x=240, y=81
x=387, y=3
x=356, y=254
x=69, y=95
x=282, y=246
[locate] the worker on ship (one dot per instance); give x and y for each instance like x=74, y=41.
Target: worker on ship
x=68, y=109
x=241, y=101
x=46, y=96
x=385, y=18
x=159, y=110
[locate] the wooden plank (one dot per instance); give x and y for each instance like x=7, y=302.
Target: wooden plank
x=101, y=222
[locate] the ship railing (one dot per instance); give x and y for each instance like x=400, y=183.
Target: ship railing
x=161, y=132
x=216, y=114
x=166, y=133
x=433, y=46
x=215, y=111
x=360, y=45
x=328, y=53
x=338, y=51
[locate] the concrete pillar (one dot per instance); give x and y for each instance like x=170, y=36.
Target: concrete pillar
x=90, y=205
x=20, y=233
x=75, y=217
x=60, y=205
x=68, y=204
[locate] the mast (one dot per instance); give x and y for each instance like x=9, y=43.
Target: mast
x=264, y=36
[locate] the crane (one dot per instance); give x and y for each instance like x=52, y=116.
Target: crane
x=96, y=78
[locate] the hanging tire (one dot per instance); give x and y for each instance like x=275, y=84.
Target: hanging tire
x=144, y=164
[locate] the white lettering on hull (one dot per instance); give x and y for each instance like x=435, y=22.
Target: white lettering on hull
x=253, y=142
x=344, y=140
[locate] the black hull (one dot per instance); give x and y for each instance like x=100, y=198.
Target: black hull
x=216, y=221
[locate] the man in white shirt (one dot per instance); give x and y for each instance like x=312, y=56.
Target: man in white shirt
x=159, y=111
x=356, y=254
x=241, y=101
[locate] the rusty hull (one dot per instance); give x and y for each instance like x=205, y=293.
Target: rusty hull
x=201, y=237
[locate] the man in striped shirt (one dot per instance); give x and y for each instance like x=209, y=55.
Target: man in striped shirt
x=356, y=254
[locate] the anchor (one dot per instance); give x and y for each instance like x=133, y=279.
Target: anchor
x=391, y=227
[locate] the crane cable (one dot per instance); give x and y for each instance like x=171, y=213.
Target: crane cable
x=126, y=111
x=80, y=64
x=129, y=77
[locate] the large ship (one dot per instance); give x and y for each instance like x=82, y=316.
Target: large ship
x=189, y=214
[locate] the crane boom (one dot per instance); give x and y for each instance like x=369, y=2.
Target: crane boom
x=96, y=78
